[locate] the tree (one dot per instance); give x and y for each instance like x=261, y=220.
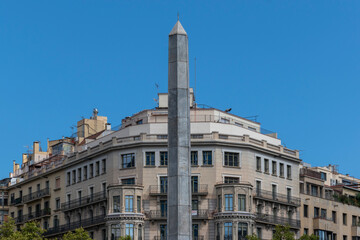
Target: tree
x=7, y=230
x=79, y=234
x=309, y=237
x=252, y=237
x=30, y=231
x=125, y=238
x=283, y=233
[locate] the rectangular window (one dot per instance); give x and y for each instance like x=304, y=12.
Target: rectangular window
x=103, y=165
x=194, y=158
x=91, y=170
x=323, y=213
x=344, y=218
x=242, y=202
x=316, y=212
x=323, y=176
x=129, y=203
x=128, y=160
x=266, y=165
x=163, y=231
x=242, y=230
x=207, y=157
x=281, y=170
x=306, y=210
x=231, y=180
x=228, y=230
x=354, y=220
x=334, y=216
x=73, y=176
x=306, y=231
x=163, y=208
x=194, y=205
x=163, y=184
x=128, y=181
x=258, y=164
x=138, y=205
x=68, y=179
x=116, y=204
x=229, y=202
x=97, y=168
x=150, y=159
x=194, y=184
x=85, y=173
x=274, y=191
x=231, y=159
x=258, y=187
x=79, y=175
x=163, y=158
x=219, y=203
x=288, y=167
x=57, y=203
x=274, y=172
x=129, y=230
x=259, y=233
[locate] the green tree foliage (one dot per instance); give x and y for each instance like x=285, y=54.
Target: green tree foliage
x=283, y=233
x=79, y=234
x=309, y=237
x=30, y=231
x=125, y=238
x=252, y=237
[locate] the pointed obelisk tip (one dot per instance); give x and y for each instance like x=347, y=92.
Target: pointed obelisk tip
x=178, y=29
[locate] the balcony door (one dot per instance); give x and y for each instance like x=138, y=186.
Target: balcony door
x=194, y=184
x=195, y=231
x=163, y=184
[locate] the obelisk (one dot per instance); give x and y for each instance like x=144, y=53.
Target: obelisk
x=179, y=169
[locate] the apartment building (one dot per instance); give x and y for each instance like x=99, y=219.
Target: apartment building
x=331, y=212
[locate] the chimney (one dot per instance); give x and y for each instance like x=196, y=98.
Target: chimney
x=36, y=147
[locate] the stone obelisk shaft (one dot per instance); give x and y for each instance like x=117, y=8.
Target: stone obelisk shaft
x=179, y=171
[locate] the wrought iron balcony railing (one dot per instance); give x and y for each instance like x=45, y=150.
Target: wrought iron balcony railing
x=16, y=201
x=37, y=195
x=199, y=189
x=271, y=219
x=272, y=196
x=83, y=201
x=71, y=226
x=162, y=215
x=32, y=216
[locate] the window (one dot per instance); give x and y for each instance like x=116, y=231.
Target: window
x=219, y=203
x=116, y=204
x=163, y=184
x=259, y=233
x=288, y=192
x=274, y=191
x=288, y=167
x=163, y=208
x=68, y=179
x=91, y=170
x=57, y=183
x=228, y=231
x=344, y=237
x=139, y=232
x=306, y=231
x=306, y=210
x=266, y=165
x=139, y=122
x=128, y=181
x=354, y=220
x=194, y=205
x=258, y=187
x=163, y=158
x=316, y=212
x=242, y=202
x=344, y=218
x=138, y=205
x=79, y=175
x=229, y=202
x=150, y=159
x=334, y=216
x=194, y=184
x=57, y=203
x=56, y=221
x=194, y=158
x=97, y=168
x=73, y=177
x=129, y=230
x=281, y=170
x=115, y=231
x=258, y=164
x=163, y=231
x=195, y=231
x=231, y=159
x=207, y=158
x=274, y=168
x=323, y=213
x=323, y=176
x=242, y=230
x=85, y=173
x=231, y=179
x=129, y=203
x=128, y=160
x=103, y=164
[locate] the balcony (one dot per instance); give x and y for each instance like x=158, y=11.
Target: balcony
x=193, y=238
x=200, y=214
x=322, y=222
x=86, y=223
x=16, y=201
x=277, y=197
x=84, y=201
x=33, y=216
x=355, y=231
x=37, y=195
x=305, y=172
x=275, y=220
x=161, y=190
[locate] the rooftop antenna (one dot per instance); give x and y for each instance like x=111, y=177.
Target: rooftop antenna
x=157, y=92
x=195, y=85
x=178, y=15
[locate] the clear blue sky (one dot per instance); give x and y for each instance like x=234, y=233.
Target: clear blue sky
x=296, y=64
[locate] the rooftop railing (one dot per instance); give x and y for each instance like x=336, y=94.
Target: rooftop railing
x=310, y=173
x=271, y=219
